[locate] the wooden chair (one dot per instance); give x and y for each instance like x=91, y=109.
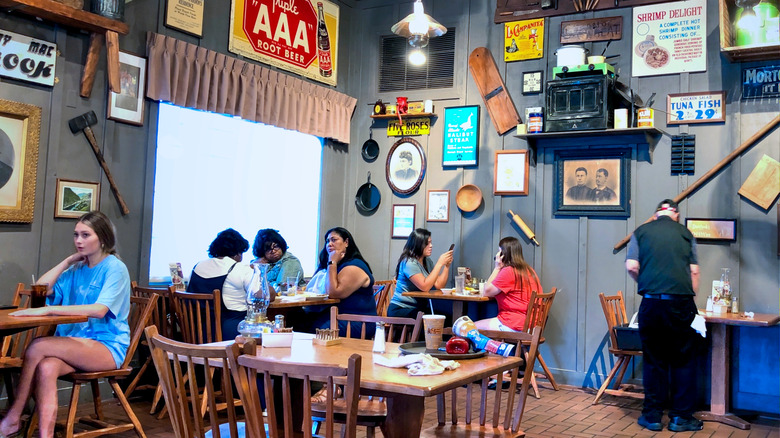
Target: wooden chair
x=14, y=346
x=500, y=425
x=383, y=292
x=201, y=364
x=538, y=312
x=141, y=310
x=199, y=316
x=615, y=312
x=247, y=367
x=163, y=318
x=372, y=411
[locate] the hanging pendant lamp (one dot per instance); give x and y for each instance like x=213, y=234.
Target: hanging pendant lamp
x=418, y=27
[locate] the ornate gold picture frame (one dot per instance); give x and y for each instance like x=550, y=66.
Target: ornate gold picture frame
x=20, y=127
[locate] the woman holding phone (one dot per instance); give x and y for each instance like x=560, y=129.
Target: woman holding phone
x=416, y=271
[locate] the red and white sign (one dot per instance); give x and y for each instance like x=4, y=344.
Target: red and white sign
x=284, y=33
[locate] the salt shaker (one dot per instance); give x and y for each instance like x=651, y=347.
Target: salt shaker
x=379, y=338
x=735, y=305
x=709, y=304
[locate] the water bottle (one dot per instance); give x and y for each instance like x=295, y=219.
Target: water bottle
x=379, y=338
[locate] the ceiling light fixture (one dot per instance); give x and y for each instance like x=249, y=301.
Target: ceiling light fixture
x=418, y=27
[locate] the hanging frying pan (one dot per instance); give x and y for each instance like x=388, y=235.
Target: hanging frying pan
x=370, y=149
x=367, y=197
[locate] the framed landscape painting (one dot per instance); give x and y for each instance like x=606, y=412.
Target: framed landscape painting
x=74, y=198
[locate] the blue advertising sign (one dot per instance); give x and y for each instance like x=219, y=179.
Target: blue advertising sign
x=461, y=136
x=758, y=82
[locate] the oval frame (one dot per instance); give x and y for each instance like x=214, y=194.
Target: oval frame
x=402, y=181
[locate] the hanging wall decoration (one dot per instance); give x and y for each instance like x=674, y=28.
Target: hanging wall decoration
x=523, y=40
x=20, y=127
x=405, y=166
x=27, y=59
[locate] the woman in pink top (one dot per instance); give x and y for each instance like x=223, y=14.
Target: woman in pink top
x=511, y=283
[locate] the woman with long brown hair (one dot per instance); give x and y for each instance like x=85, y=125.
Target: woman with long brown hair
x=511, y=283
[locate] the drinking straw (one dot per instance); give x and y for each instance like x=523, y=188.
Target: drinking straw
x=33, y=278
x=431, y=303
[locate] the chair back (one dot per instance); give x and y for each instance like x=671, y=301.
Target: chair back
x=246, y=369
x=615, y=312
x=163, y=316
x=199, y=316
x=513, y=407
x=15, y=345
x=539, y=310
x=140, y=316
x=397, y=329
x=383, y=292
x=177, y=364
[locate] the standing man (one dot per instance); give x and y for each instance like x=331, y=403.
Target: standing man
x=580, y=192
x=601, y=193
x=661, y=257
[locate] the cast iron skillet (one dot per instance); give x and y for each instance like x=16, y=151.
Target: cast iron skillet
x=367, y=197
x=370, y=149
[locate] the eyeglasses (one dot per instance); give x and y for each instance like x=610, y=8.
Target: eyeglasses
x=273, y=247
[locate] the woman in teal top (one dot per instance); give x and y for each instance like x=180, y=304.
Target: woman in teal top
x=93, y=282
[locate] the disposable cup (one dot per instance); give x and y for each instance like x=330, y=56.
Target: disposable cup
x=38, y=295
x=434, y=326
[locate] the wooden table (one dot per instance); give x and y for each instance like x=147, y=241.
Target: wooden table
x=279, y=304
x=405, y=394
x=457, y=299
x=720, y=331
x=15, y=324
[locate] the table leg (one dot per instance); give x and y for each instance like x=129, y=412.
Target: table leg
x=720, y=380
x=457, y=309
x=404, y=416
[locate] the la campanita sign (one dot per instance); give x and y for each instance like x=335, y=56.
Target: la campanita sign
x=295, y=35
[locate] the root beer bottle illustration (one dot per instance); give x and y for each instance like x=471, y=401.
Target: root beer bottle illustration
x=323, y=44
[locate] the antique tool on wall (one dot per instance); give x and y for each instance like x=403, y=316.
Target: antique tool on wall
x=717, y=168
x=490, y=85
x=84, y=123
x=521, y=223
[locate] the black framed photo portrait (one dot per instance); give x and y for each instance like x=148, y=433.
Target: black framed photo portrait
x=405, y=167
x=592, y=183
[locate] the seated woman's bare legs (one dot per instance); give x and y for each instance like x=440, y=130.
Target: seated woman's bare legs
x=45, y=360
x=488, y=324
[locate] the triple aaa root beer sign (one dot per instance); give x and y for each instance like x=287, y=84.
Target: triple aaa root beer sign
x=300, y=36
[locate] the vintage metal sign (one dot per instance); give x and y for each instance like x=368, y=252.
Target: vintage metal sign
x=300, y=36
x=27, y=59
x=523, y=40
x=594, y=29
x=703, y=107
x=411, y=126
x=758, y=82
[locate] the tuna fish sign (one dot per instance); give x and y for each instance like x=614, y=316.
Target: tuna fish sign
x=296, y=35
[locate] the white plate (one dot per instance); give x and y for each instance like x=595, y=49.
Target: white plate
x=447, y=291
x=316, y=297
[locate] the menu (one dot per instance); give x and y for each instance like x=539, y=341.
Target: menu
x=669, y=38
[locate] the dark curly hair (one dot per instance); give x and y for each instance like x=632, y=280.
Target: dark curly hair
x=228, y=243
x=265, y=239
x=351, y=253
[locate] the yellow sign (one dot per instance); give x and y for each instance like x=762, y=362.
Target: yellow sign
x=523, y=40
x=414, y=126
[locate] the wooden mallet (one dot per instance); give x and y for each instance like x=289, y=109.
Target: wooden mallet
x=83, y=123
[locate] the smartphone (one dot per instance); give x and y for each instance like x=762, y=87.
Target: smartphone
x=452, y=247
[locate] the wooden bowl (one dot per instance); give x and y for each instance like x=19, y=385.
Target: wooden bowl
x=468, y=198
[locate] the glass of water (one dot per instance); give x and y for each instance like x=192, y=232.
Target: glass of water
x=292, y=285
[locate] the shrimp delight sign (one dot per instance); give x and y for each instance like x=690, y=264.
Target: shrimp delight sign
x=669, y=38
x=300, y=36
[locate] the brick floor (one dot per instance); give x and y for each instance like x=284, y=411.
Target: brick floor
x=561, y=414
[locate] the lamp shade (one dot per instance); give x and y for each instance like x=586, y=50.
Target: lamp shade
x=418, y=27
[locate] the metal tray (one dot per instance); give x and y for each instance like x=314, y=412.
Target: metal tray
x=419, y=347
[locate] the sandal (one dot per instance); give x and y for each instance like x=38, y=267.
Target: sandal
x=321, y=396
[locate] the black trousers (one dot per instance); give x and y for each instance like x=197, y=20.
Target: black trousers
x=670, y=352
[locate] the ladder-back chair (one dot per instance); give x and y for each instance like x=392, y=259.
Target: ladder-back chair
x=538, y=312
x=14, y=346
x=383, y=293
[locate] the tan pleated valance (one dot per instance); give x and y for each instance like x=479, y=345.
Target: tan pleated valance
x=191, y=76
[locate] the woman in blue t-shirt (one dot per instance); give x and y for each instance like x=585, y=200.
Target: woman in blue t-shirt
x=416, y=272
x=93, y=282
x=348, y=278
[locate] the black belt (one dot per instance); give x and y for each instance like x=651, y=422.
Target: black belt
x=668, y=297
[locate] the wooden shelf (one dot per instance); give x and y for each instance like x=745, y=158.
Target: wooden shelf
x=100, y=27
x=601, y=137
x=403, y=116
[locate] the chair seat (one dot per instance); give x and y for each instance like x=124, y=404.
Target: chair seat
x=374, y=407
x=468, y=430
x=86, y=376
x=10, y=363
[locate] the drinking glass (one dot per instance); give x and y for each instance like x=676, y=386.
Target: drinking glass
x=460, y=284
x=292, y=285
x=38, y=295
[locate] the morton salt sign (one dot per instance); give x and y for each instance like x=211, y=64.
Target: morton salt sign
x=300, y=36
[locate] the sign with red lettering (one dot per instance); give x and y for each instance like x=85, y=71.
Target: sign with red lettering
x=523, y=40
x=669, y=38
x=300, y=36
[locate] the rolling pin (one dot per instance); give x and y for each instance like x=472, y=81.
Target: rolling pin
x=520, y=223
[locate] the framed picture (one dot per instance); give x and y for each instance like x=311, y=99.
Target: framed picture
x=405, y=167
x=20, y=129
x=403, y=221
x=438, y=206
x=128, y=106
x=75, y=198
x=510, y=173
x=461, y=136
x=708, y=107
x=592, y=183
x=712, y=229
x=533, y=82
x=186, y=16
